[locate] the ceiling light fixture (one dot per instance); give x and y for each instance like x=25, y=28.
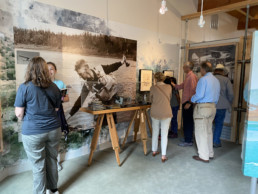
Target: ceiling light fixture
x=201, y=21
x=163, y=8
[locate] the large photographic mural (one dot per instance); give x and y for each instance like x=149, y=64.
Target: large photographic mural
x=65, y=37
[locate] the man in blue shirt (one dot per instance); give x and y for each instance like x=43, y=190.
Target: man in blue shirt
x=206, y=98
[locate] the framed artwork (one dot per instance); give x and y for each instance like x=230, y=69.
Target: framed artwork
x=169, y=73
x=24, y=57
x=145, y=79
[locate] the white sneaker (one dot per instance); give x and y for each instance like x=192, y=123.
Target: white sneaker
x=50, y=192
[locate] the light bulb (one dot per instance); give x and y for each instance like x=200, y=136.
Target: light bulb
x=162, y=11
x=163, y=8
x=201, y=21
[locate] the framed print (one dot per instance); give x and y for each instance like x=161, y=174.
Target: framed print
x=145, y=79
x=169, y=73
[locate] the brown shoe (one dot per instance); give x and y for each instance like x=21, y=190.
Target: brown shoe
x=163, y=160
x=199, y=159
x=155, y=154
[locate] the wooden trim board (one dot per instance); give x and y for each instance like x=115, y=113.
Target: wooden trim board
x=114, y=110
x=226, y=8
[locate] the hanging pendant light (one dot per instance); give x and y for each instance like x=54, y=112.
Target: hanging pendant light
x=163, y=8
x=201, y=21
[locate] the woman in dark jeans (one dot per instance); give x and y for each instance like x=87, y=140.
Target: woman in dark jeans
x=174, y=102
x=36, y=104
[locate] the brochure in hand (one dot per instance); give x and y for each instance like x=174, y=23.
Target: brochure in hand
x=63, y=92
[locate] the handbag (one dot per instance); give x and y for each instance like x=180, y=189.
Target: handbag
x=61, y=115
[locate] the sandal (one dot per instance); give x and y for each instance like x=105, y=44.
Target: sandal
x=163, y=160
x=155, y=153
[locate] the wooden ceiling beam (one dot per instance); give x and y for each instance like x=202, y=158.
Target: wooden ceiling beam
x=251, y=24
x=244, y=13
x=226, y=8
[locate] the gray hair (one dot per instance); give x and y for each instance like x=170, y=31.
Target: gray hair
x=190, y=64
x=207, y=66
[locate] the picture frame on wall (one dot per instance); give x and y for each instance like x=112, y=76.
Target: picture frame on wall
x=146, y=76
x=169, y=73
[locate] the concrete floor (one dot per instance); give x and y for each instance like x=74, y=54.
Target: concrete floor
x=141, y=174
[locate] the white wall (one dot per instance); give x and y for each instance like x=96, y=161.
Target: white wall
x=140, y=14
x=227, y=29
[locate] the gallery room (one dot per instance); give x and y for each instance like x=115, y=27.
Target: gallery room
x=129, y=96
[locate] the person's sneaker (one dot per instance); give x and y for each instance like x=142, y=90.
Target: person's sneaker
x=185, y=144
x=50, y=192
x=217, y=145
x=59, y=167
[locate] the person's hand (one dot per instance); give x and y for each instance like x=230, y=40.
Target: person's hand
x=173, y=84
x=187, y=106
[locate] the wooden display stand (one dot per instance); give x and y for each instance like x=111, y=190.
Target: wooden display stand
x=140, y=116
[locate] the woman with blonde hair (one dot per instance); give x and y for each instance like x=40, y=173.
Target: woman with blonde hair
x=37, y=102
x=161, y=114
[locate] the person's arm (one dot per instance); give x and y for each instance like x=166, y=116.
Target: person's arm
x=193, y=83
x=111, y=68
x=180, y=86
x=20, y=102
x=76, y=107
x=230, y=92
x=19, y=112
x=66, y=98
x=200, y=91
x=78, y=103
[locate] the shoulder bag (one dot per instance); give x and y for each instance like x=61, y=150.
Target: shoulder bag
x=61, y=115
x=163, y=94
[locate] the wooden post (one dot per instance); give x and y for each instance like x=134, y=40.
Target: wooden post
x=129, y=127
x=113, y=136
x=136, y=125
x=94, y=141
x=143, y=131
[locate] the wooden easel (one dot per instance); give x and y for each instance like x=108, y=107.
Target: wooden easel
x=140, y=116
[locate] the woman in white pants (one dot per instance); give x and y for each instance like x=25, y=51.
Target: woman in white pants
x=161, y=114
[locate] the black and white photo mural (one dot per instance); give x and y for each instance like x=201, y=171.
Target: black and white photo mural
x=218, y=54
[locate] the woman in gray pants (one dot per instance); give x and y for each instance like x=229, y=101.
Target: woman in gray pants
x=36, y=103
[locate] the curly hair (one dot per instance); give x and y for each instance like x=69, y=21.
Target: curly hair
x=81, y=63
x=37, y=73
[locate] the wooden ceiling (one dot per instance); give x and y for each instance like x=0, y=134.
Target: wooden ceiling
x=239, y=13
